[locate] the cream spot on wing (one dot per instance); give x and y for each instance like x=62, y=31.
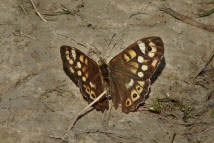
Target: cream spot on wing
x=71, y=69
x=66, y=52
x=84, y=78
x=140, y=74
x=142, y=46
x=154, y=63
x=129, y=84
x=79, y=73
x=86, y=75
x=81, y=58
x=86, y=61
x=151, y=44
x=140, y=59
x=73, y=53
x=126, y=57
x=92, y=84
x=68, y=58
x=134, y=95
x=141, y=83
x=67, y=55
x=133, y=70
x=134, y=64
x=144, y=67
x=151, y=54
x=71, y=61
x=132, y=53
x=79, y=65
x=154, y=49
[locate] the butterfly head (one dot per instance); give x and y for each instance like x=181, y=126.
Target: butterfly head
x=101, y=61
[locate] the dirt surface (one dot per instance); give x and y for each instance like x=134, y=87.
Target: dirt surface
x=38, y=101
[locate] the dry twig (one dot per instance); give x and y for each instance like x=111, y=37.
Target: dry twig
x=116, y=137
x=186, y=19
x=85, y=110
x=60, y=138
x=172, y=138
x=205, y=65
x=37, y=12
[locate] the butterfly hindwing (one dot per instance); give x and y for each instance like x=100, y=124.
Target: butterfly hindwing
x=130, y=92
x=84, y=72
x=131, y=71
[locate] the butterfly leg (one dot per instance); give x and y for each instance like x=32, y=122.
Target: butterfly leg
x=106, y=118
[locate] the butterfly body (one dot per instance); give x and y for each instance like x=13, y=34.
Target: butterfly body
x=126, y=77
x=104, y=70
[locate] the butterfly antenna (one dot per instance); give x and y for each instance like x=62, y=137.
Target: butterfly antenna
x=89, y=47
x=110, y=44
x=83, y=111
x=80, y=43
x=112, y=37
x=94, y=50
x=120, y=35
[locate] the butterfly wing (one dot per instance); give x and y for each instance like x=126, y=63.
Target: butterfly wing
x=131, y=71
x=84, y=72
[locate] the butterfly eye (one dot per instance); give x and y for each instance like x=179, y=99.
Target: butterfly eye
x=128, y=102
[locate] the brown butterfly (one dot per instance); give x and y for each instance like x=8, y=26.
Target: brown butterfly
x=126, y=77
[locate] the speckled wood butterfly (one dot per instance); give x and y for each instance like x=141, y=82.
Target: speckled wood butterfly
x=126, y=77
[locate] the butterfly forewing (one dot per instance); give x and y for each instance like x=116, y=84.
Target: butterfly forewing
x=84, y=72
x=131, y=71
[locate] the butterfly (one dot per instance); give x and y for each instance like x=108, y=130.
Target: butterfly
x=127, y=77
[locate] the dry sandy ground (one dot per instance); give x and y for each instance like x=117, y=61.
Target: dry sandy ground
x=37, y=99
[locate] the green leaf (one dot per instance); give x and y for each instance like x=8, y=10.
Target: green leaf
x=206, y=13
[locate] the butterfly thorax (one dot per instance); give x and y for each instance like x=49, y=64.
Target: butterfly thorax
x=104, y=71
